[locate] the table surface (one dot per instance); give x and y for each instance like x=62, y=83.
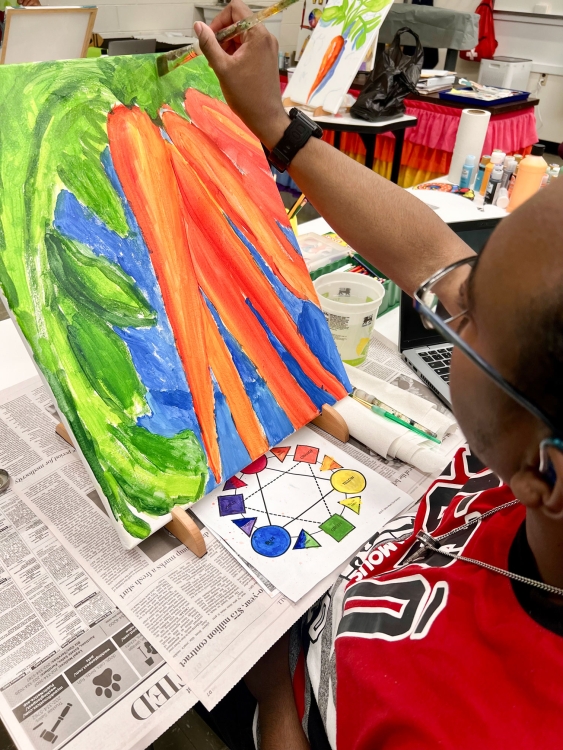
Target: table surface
x=495, y=109
x=346, y=123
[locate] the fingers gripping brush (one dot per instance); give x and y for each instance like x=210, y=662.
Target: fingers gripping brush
x=176, y=57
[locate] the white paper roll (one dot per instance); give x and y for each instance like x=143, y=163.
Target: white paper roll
x=470, y=139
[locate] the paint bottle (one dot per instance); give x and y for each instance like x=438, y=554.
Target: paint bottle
x=509, y=167
x=553, y=172
x=480, y=172
x=467, y=172
x=493, y=184
x=502, y=200
x=528, y=180
x=497, y=157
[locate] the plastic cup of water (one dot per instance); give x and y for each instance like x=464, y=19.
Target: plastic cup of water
x=350, y=303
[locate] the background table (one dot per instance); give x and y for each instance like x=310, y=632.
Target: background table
x=368, y=132
x=428, y=147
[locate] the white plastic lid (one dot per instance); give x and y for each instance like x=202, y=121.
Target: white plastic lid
x=503, y=199
x=498, y=157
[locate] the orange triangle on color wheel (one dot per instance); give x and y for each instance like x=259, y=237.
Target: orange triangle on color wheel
x=329, y=463
x=280, y=453
x=353, y=503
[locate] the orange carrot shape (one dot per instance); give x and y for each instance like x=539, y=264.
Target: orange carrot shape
x=224, y=182
x=228, y=378
x=225, y=295
x=328, y=64
x=142, y=163
x=235, y=259
x=230, y=134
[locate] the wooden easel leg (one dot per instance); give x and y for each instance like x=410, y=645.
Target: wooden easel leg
x=332, y=422
x=184, y=528
x=62, y=431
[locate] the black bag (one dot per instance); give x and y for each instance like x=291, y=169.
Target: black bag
x=393, y=77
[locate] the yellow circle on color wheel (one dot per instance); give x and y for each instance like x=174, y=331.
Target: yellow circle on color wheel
x=348, y=481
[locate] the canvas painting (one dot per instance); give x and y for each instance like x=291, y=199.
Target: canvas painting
x=338, y=46
x=146, y=258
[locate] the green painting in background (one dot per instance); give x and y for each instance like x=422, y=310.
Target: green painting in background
x=126, y=200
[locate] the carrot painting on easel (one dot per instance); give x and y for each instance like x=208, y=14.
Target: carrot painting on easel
x=146, y=258
x=336, y=50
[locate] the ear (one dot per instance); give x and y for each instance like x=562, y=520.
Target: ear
x=543, y=486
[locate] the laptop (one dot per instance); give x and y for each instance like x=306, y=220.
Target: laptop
x=424, y=350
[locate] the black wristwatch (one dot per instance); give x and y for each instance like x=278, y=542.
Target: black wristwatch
x=296, y=135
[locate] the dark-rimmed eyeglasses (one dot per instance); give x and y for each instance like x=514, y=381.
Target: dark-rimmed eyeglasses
x=434, y=315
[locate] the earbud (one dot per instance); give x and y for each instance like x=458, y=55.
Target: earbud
x=546, y=466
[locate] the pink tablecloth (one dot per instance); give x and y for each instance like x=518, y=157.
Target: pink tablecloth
x=438, y=124
x=428, y=147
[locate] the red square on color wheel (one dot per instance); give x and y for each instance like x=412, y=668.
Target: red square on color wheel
x=306, y=453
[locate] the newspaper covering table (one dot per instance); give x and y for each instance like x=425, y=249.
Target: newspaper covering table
x=73, y=668
x=209, y=617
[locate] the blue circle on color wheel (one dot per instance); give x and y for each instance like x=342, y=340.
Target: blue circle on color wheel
x=270, y=541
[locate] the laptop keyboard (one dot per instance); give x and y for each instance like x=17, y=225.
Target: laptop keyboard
x=439, y=361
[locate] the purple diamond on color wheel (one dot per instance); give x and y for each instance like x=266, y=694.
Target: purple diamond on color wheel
x=231, y=504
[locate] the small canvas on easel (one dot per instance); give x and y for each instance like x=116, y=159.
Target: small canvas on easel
x=336, y=50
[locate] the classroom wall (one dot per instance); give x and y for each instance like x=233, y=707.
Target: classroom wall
x=126, y=17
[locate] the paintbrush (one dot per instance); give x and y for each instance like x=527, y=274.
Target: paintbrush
x=388, y=411
x=297, y=206
x=176, y=57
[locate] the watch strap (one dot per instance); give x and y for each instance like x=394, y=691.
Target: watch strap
x=296, y=135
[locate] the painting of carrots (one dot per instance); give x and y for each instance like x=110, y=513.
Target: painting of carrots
x=335, y=51
x=146, y=258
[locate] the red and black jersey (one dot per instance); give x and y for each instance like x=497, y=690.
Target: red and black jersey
x=438, y=653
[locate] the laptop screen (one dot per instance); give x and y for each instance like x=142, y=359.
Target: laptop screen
x=412, y=333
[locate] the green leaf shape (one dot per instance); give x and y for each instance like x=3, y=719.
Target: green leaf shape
x=156, y=453
x=106, y=362
x=334, y=15
x=360, y=40
x=374, y=6
x=93, y=281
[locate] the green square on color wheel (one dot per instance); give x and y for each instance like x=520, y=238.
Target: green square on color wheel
x=337, y=527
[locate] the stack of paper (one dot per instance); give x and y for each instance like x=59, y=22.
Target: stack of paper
x=435, y=80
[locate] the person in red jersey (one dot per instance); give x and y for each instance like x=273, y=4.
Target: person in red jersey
x=446, y=631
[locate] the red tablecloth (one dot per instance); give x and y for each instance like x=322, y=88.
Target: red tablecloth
x=428, y=147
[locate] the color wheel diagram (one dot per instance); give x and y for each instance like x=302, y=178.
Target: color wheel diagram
x=293, y=499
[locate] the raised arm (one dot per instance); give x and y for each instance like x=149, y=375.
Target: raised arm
x=388, y=226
